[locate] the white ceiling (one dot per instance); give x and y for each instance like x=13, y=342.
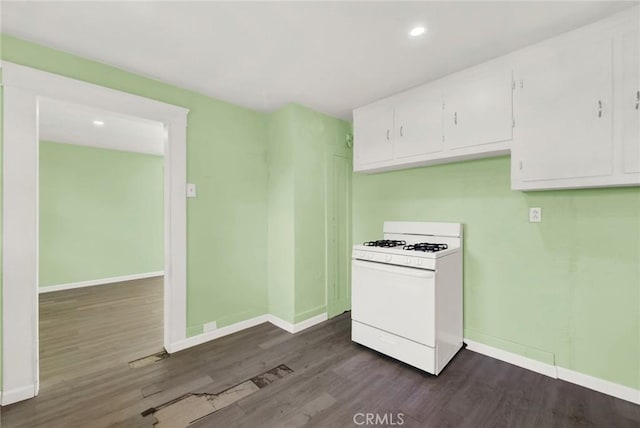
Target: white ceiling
x=73, y=124
x=330, y=56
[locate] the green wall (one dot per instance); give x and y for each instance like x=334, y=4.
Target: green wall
x=227, y=224
x=315, y=135
x=564, y=291
x=226, y=158
x=101, y=213
x=281, y=218
x=299, y=140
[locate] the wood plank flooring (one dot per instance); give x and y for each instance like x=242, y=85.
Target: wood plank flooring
x=90, y=329
x=333, y=381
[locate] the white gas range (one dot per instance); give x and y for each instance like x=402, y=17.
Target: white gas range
x=406, y=296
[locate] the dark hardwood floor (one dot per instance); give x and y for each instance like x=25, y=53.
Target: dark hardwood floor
x=87, y=329
x=333, y=381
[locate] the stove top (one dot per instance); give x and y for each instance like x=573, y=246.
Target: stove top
x=385, y=243
x=426, y=247
x=414, y=244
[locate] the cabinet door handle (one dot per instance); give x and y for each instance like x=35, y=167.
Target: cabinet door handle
x=455, y=118
x=637, y=99
x=401, y=134
x=599, y=108
x=387, y=135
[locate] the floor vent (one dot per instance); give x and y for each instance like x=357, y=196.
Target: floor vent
x=147, y=361
x=187, y=409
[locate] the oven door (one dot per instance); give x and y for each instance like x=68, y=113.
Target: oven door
x=396, y=299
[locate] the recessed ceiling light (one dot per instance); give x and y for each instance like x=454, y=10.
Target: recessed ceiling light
x=98, y=123
x=417, y=31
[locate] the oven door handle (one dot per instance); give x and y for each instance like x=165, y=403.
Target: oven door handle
x=418, y=273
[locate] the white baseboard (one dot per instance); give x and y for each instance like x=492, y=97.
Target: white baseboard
x=604, y=386
x=280, y=323
x=309, y=322
x=18, y=394
x=242, y=325
x=511, y=358
x=91, y=283
x=298, y=327
x=215, y=334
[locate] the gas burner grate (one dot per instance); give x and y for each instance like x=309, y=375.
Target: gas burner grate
x=387, y=243
x=426, y=247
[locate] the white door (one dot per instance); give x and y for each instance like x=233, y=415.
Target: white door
x=563, y=113
x=477, y=108
x=373, y=133
x=396, y=299
x=630, y=105
x=418, y=123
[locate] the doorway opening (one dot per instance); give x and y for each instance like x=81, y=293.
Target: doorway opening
x=101, y=243
x=24, y=90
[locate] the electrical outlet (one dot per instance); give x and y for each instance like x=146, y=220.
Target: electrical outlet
x=210, y=326
x=535, y=215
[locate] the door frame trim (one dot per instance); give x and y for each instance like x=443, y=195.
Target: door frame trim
x=346, y=153
x=23, y=87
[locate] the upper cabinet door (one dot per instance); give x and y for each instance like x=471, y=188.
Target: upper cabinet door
x=563, y=112
x=630, y=101
x=373, y=133
x=418, y=123
x=477, y=108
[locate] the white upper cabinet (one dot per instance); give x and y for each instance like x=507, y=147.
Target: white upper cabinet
x=418, y=123
x=563, y=109
x=482, y=97
x=574, y=109
x=373, y=133
x=397, y=130
x=567, y=109
x=477, y=108
x=630, y=101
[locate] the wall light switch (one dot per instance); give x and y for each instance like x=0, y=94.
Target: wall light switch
x=191, y=190
x=535, y=215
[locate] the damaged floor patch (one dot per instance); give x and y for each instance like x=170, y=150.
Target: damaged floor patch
x=147, y=361
x=266, y=378
x=185, y=410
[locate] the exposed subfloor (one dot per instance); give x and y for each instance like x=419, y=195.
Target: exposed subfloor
x=332, y=381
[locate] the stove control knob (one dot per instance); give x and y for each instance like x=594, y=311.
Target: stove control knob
x=408, y=261
x=388, y=258
x=419, y=262
x=370, y=256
